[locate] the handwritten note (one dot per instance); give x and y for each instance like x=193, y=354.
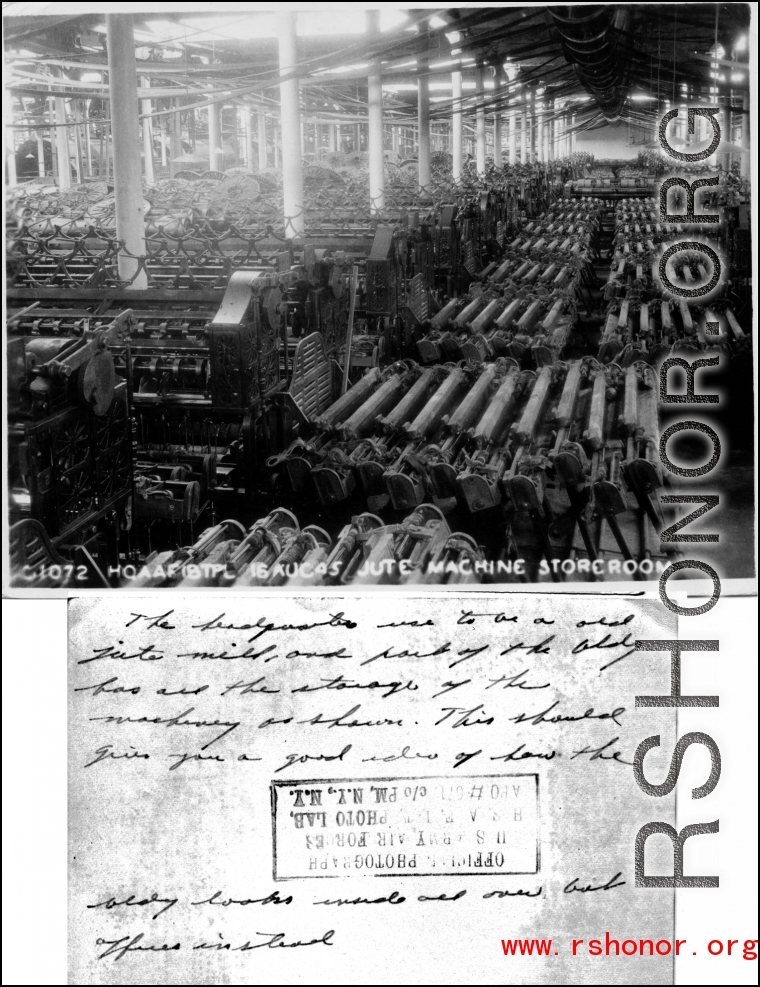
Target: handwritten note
x=399, y=789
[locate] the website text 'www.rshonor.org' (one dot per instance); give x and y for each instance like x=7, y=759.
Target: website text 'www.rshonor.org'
x=609, y=946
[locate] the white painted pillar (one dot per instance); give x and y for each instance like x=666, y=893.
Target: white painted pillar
x=163, y=131
x=122, y=76
x=40, y=155
x=745, y=165
x=63, y=154
x=9, y=137
x=261, y=134
x=214, y=136
x=513, y=137
x=497, y=157
x=532, y=138
x=456, y=125
x=87, y=139
x=246, y=146
x=150, y=175
x=423, y=120
x=292, y=168
x=524, y=137
x=375, y=126
x=175, y=137
x=480, y=120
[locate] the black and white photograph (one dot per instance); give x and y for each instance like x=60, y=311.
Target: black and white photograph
x=391, y=298
x=380, y=531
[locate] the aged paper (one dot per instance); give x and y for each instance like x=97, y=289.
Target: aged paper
x=327, y=791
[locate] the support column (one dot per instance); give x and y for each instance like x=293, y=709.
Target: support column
x=78, y=150
x=62, y=151
x=50, y=103
x=214, y=136
x=163, y=134
x=375, y=115
x=241, y=133
x=87, y=138
x=40, y=154
x=745, y=159
x=456, y=125
x=292, y=169
x=725, y=124
x=539, y=128
x=9, y=137
x=150, y=175
x=332, y=144
x=524, y=137
x=261, y=135
x=250, y=153
x=681, y=129
x=175, y=137
x=122, y=77
x=532, y=138
x=513, y=137
x=423, y=117
x=480, y=120
x=497, y=158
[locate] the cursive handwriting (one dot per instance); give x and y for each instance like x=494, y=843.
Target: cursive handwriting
x=516, y=681
x=160, y=621
x=118, y=949
x=513, y=894
x=518, y=754
x=340, y=683
x=394, y=898
x=271, y=899
x=263, y=626
x=597, y=753
x=537, y=718
x=102, y=687
x=442, y=897
x=612, y=883
x=107, y=753
x=134, y=902
x=276, y=940
x=463, y=720
x=469, y=617
x=148, y=653
x=403, y=756
x=175, y=721
x=291, y=759
x=409, y=623
x=337, y=721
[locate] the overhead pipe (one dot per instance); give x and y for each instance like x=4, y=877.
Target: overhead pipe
x=589, y=38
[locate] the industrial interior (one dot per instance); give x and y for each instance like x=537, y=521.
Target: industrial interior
x=351, y=297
